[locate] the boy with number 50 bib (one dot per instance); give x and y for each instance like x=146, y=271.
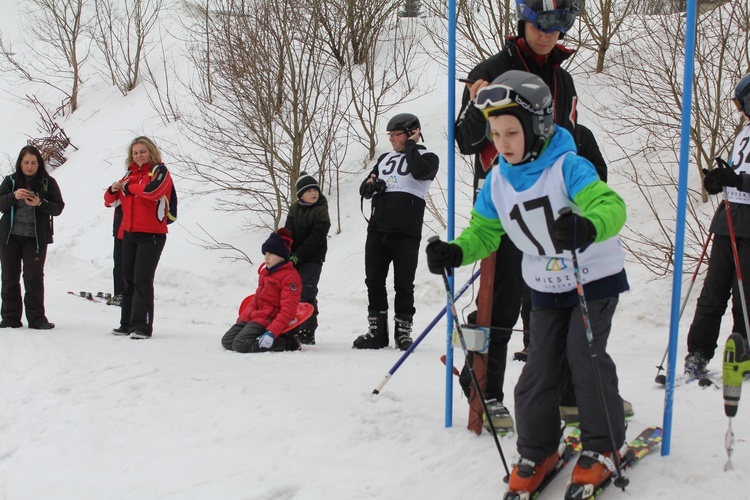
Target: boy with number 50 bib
x=537, y=174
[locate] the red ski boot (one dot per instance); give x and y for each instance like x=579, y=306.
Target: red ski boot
x=527, y=476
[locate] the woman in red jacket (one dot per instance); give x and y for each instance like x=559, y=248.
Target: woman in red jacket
x=144, y=194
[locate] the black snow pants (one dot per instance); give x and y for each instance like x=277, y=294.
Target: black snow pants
x=558, y=335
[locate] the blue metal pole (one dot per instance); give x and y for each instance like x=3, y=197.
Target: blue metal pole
x=679, y=247
x=451, y=202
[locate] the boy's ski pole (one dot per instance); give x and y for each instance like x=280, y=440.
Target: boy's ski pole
x=620, y=481
x=474, y=380
x=419, y=339
x=662, y=379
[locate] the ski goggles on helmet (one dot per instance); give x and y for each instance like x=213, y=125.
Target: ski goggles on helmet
x=497, y=96
x=549, y=21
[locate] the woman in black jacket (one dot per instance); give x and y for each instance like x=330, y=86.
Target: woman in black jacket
x=29, y=198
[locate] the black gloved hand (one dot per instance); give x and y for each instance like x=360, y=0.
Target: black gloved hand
x=375, y=187
x=715, y=180
x=573, y=231
x=442, y=255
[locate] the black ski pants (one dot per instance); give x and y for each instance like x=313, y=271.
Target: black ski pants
x=21, y=251
x=506, y=304
x=309, y=272
x=509, y=297
x=382, y=249
x=140, y=256
x=721, y=281
x=117, y=279
x=558, y=335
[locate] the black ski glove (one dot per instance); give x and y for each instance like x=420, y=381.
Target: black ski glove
x=370, y=189
x=442, y=255
x=573, y=232
x=715, y=180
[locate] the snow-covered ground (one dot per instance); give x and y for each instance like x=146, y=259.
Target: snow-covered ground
x=86, y=415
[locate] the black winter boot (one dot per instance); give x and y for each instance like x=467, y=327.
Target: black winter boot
x=306, y=336
x=377, y=335
x=402, y=332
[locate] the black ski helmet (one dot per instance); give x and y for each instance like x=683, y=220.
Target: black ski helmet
x=525, y=96
x=403, y=121
x=742, y=95
x=406, y=122
x=547, y=15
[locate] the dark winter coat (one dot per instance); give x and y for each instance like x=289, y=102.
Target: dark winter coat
x=740, y=212
x=589, y=149
x=49, y=194
x=399, y=212
x=309, y=226
x=276, y=299
x=145, y=206
x=471, y=126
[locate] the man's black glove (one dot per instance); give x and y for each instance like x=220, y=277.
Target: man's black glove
x=377, y=186
x=442, y=255
x=715, y=180
x=573, y=231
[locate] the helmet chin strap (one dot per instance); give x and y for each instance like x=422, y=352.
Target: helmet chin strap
x=537, y=148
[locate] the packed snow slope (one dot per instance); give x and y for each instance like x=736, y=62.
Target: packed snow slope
x=86, y=415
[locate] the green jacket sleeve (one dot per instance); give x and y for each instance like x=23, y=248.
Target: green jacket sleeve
x=480, y=239
x=603, y=207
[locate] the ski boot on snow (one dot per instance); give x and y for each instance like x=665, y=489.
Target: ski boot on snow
x=377, y=334
x=592, y=473
x=402, y=332
x=113, y=300
x=569, y=414
x=695, y=365
x=521, y=355
x=529, y=476
x=500, y=418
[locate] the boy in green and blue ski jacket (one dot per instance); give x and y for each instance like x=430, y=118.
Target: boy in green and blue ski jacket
x=538, y=173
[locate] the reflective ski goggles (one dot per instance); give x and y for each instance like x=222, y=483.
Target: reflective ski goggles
x=498, y=96
x=549, y=21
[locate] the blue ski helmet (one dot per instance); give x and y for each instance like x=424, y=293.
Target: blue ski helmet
x=741, y=96
x=547, y=15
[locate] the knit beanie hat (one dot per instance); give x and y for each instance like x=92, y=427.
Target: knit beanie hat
x=305, y=182
x=279, y=243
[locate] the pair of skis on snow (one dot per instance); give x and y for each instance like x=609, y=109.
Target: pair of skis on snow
x=638, y=448
x=98, y=297
x=90, y=296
